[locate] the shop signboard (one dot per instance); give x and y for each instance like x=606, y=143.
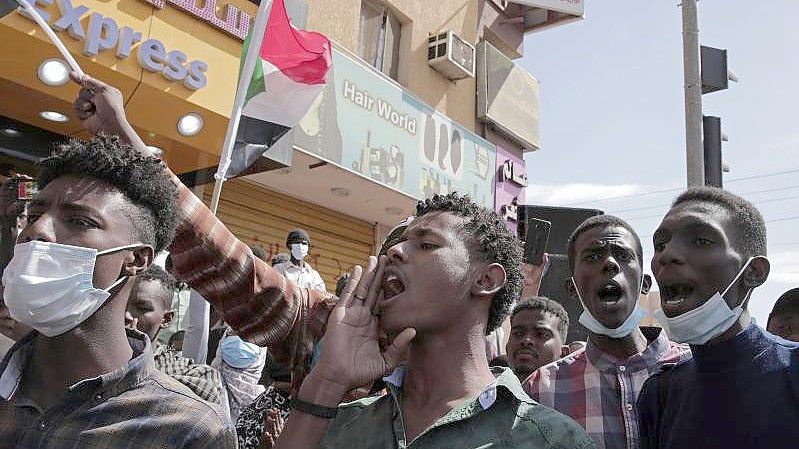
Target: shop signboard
x=511, y=180
x=368, y=124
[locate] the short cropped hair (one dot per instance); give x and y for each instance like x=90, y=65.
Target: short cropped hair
x=546, y=305
x=144, y=180
x=603, y=220
x=750, y=229
x=157, y=274
x=494, y=243
x=788, y=302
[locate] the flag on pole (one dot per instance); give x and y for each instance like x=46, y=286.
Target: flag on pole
x=289, y=74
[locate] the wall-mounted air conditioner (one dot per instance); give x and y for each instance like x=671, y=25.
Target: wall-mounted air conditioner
x=451, y=55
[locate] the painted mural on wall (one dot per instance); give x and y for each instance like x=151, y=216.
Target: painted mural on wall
x=369, y=125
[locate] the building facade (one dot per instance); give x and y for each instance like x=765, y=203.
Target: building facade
x=422, y=98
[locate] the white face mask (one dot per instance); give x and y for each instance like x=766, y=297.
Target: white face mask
x=48, y=286
x=299, y=250
x=706, y=322
x=626, y=328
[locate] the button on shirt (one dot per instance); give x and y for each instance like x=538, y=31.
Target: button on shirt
x=599, y=391
x=501, y=417
x=303, y=276
x=134, y=406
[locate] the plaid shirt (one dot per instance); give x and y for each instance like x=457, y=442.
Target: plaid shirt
x=203, y=380
x=599, y=391
x=259, y=303
x=134, y=406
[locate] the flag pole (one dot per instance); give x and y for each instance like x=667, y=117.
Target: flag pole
x=256, y=38
x=51, y=34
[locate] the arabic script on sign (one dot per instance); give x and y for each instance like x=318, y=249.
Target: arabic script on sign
x=236, y=22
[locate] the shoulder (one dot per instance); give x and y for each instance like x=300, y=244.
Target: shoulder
x=361, y=417
x=189, y=407
x=557, y=429
x=564, y=367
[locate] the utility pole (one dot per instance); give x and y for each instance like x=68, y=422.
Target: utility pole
x=694, y=151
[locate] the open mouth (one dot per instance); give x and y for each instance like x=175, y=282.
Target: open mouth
x=392, y=285
x=610, y=292
x=674, y=294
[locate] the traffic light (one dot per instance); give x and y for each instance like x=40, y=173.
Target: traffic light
x=715, y=77
x=711, y=140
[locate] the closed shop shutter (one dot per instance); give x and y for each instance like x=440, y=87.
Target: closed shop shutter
x=260, y=216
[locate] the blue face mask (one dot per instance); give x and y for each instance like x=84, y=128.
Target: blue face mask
x=626, y=328
x=706, y=322
x=239, y=353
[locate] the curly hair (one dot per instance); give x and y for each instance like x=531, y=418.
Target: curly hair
x=494, y=243
x=144, y=180
x=546, y=305
x=747, y=228
x=157, y=274
x=603, y=220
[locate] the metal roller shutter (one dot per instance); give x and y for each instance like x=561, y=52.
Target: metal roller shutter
x=264, y=217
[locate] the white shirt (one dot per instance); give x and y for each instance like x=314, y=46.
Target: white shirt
x=303, y=276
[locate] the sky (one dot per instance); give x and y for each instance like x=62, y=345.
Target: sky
x=613, y=117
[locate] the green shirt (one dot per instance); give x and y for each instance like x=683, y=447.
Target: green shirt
x=503, y=416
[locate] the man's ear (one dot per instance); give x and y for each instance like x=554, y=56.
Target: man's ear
x=568, y=284
x=757, y=272
x=138, y=260
x=646, y=284
x=167, y=320
x=492, y=278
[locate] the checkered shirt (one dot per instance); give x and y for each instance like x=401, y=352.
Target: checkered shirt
x=202, y=379
x=133, y=406
x=600, y=392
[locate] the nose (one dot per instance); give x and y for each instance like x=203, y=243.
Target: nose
x=128, y=317
x=397, y=253
x=611, y=265
x=42, y=229
x=669, y=255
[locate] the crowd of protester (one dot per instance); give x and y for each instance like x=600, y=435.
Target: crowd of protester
x=409, y=350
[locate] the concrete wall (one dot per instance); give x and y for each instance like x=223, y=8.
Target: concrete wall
x=339, y=20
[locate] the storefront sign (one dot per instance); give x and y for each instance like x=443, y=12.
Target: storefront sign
x=509, y=191
x=103, y=33
x=236, y=22
x=370, y=125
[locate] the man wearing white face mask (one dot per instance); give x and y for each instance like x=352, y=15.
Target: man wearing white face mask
x=598, y=385
x=741, y=389
x=297, y=270
x=80, y=380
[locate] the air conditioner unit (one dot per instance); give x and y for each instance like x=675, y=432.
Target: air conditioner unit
x=451, y=55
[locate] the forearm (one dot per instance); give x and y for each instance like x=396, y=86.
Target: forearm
x=125, y=131
x=303, y=430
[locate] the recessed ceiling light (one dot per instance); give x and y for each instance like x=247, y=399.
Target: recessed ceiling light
x=54, y=116
x=190, y=124
x=10, y=132
x=391, y=210
x=340, y=191
x=54, y=72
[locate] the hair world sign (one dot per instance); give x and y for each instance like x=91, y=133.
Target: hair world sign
x=104, y=34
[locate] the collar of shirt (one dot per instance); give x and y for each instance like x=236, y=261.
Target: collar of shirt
x=504, y=379
x=138, y=368
x=290, y=267
x=738, y=351
x=604, y=362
